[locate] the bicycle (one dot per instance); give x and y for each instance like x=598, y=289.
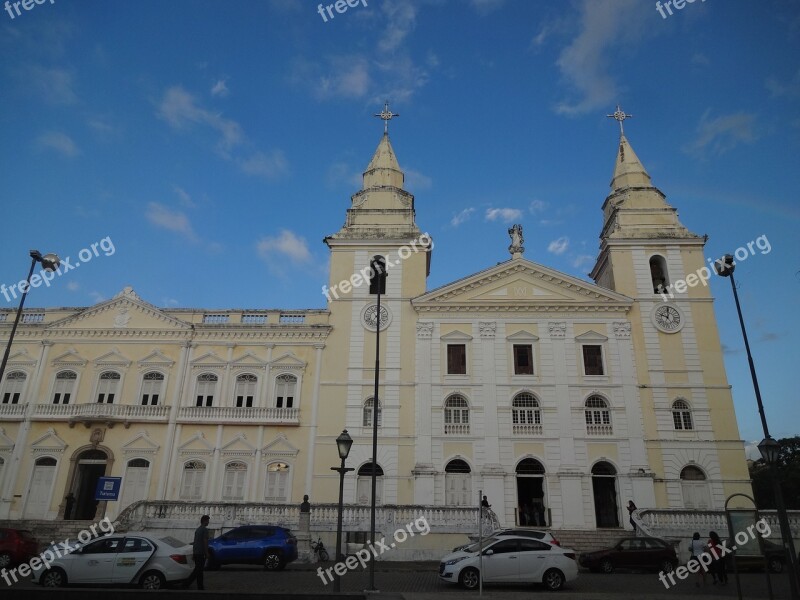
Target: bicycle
x=319, y=550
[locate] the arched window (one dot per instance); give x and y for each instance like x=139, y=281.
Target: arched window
x=206, y=388
x=456, y=416
x=64, y=386
x=277, y=487
x=526, y=418
x=364, y=484
x=14, y=386
x=233, y=485
x=285, y=388
x=368, y=405
x=40, y=491
x=245, y=390
x=598, y=416
x=658, y=274
x=108, y=387
x=695, y=490
x=134, y=485
x=457, y=483
x=682, y=415
x=193, y=482
x=152, y=383
x=604, y=487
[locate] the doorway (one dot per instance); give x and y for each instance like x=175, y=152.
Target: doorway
x=531, y=505
x=91, y=466
x=604, y=486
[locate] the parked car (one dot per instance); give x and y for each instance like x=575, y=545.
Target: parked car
x=510, y=559
x=536, y=534
x=632, y=553
x=775, y=558
x=268, y=545
x=148, y=562
x=17, y=546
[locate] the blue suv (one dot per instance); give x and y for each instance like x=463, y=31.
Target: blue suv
x=268, y=545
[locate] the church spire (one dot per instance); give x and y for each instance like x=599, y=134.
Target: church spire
x=629, y=172
x=383, y=169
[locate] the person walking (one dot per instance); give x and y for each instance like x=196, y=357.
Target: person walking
x=199, y=553
x=631, y=508
x=718, y=571
x=696, y=549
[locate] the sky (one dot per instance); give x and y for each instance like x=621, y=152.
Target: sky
x=207, y=147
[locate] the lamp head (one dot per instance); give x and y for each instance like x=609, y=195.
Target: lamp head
x=50, y=262
x=343, y=443
x=770, y=450
x=725, y=266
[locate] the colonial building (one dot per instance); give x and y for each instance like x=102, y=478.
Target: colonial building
x=561, y=398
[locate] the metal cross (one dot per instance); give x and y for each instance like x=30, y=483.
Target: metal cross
x=619, y=115
x=387, y=115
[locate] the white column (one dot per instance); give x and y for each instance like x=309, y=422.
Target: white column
x=167, y=451
x=312, y=435
x=424, y=471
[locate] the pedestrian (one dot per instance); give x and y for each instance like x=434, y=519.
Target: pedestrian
x=199, y=553
x=631, y=508
x=697, y=548
x=718, y=571
x=485, y=503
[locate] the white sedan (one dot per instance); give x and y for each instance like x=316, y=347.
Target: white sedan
x=511, y=559
x=148, y=562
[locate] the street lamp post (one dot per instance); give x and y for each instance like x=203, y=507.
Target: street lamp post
x=768, y=447
x=343, y=443
x=50, y=262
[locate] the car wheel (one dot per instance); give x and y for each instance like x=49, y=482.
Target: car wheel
x=553, y=580
x=775, y=565
x=469, y=578
x=152, y=580
x=666, y=566
x=273, y=561
x=606, y=566
x=5, y=560
x=53, y=578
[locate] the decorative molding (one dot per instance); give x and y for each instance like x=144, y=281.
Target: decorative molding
x=488, y=329
x=424, y=330
x=622, y=329
x=557, y=329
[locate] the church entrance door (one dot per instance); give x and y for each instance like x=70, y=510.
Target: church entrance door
x=604, y=486
x=91, y=467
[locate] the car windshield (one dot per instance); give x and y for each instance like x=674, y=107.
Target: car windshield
x=474, y=546
x=174, y=542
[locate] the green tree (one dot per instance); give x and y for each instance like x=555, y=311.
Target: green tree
x=788, y=471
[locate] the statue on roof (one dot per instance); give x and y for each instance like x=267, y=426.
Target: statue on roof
x=516, y=248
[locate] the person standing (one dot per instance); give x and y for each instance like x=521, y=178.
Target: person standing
x=718, y=571
x=697, y=548
x=199, y=553
x=631, y=508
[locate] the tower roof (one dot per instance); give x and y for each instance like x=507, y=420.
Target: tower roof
x=628, y=169
x=383, y=169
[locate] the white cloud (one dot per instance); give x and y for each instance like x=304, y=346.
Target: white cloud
x=287, y=245
x=715, y=136
x=161, y=216
x=220, y=89
x=59, y=142
x=270, y=165
x=585, y=63
x=537, y=206
x=402, y=18
x=180, y=109
x=582, y=260
x=417, y=181
x=184, y=197
x=462, y=217
x=73, y=286
x=341, y=173
x=53, y=85
x=97, y=297
x=558, y=246
x=503, y=214
x=348, y=77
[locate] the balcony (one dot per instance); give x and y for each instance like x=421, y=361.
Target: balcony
x=99, y=413
x=526, y=429
x=12, y=412
x=599, y=430
x=456, y=428
x=235, y=414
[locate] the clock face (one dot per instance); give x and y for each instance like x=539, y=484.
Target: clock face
x=667, y=318
x=369, y=317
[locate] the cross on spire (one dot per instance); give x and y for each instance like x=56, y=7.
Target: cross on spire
x=387, y=115
x=619, y=116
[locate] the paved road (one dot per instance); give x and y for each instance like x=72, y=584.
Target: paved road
x=419, y=581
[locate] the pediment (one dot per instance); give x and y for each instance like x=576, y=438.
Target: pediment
x=288, y=361
x=49, y=442
x=156, y=359
x=522, y=336
x=70, y=358
x=455, y=336
x=114, y=358
x=197, y=444
x=591, y=336
x=248, y=359
x=209, y=359
x=280, y=446
x=140, y=444
x=520, y=283
x=238, y=446
x=21, y=358
x=6, y=443
x=124, y=311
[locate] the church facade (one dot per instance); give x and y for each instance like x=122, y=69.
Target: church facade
x=560, y=398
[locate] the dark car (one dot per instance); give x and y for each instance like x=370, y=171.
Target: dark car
x=268, y=545
x=632, y=553
x=17, y=546
x=775, y=558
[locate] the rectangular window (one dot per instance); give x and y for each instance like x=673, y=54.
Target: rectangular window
x=523, y=359
x=593, y=360
x=244, y=401
x=456, y=359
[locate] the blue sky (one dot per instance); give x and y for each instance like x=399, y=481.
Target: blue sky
x=216, y=144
